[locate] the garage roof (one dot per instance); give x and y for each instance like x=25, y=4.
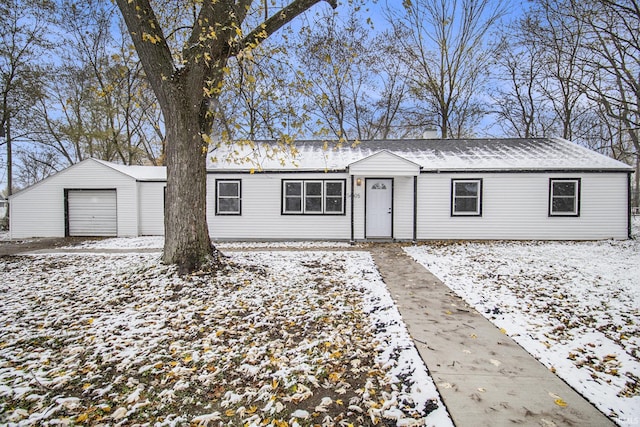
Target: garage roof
x=139, y=173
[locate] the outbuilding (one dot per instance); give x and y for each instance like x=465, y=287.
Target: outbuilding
x=92, y=198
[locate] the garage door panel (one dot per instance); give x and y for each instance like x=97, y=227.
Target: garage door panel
x=92, y=213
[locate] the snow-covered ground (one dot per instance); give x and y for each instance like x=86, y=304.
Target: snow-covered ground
x=573, y=305
x=157, y=242
x=120, y=339
x=304, y=337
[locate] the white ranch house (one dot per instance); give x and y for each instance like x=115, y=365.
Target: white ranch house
x=408, y=190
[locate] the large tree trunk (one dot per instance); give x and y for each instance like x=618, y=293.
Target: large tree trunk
x=184, y=93
x=187, y=242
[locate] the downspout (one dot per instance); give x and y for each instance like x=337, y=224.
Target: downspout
x=352, y=211
x=415, y=209
x=629, y=228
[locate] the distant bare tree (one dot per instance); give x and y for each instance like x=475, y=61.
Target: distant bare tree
x=36, y=165
x=447, y=52
x=590, y=57
x=612, y=61
x=518, y=103
x=99, y=103
x=336, y=61
x=22, y=45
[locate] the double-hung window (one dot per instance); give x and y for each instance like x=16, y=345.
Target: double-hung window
x=228, y=197
x=334, y=197
x=466, y=197
x=313, y=197
x=564, y=197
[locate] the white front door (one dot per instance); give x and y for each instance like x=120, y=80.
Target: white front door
x=379, y=208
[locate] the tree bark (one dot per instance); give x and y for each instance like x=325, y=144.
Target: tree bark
x=187, y=241
x=184, y=91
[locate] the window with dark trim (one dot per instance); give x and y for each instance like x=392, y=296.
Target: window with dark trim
x=564, y=197
x=466, y=197
x=313, y=197
x=228, y=197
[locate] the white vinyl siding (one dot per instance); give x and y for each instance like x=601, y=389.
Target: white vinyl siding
x=92, y=213
x=151, y=207
x=384, y=163
x=263, y=205
x=403, y=208
x=516, y=206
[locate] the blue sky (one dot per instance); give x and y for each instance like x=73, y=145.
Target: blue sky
x=372, y=9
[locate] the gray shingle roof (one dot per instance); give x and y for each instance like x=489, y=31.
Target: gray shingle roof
x=430, y=154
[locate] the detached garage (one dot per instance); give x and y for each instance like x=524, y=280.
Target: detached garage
x=92, y=198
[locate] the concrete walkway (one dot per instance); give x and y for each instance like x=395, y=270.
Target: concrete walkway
x=483, y=376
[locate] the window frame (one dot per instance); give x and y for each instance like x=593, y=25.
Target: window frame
x=576, y=196
x=306, y=195
x=341, y=196
x=219, y=196
x=478, y=197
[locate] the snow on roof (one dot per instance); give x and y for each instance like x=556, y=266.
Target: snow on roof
x=431, y=154
x=139, y=173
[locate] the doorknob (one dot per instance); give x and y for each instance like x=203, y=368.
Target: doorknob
x=389, y=211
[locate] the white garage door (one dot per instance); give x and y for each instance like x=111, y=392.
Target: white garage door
x=92, y=213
